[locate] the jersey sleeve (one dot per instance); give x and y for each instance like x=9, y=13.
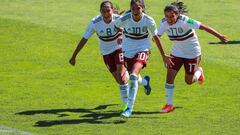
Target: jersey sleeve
x=161, y=29
x=152, y=27
x=89, y=31
x=119, y=22
x=191, y=23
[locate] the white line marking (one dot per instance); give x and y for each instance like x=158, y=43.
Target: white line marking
x=12, y=131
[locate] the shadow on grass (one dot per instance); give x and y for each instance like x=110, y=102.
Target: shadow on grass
x=233, y=42
x=91, y=116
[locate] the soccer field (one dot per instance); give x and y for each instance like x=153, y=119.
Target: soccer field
x=41, y=93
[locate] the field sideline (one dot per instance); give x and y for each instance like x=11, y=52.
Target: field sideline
x=41, y=93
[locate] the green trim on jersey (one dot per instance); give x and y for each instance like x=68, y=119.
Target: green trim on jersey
x=185, y=34
x=107, y=36
x=134, y=34
x=190, y=21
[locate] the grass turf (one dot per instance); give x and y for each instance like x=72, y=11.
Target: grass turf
x=42, y=94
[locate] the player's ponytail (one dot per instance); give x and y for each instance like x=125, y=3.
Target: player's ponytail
x=116, y=10
x=177, y=7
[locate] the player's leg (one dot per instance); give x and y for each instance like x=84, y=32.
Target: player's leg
x=122, y=77
x=193, y=72
x=169, y=86
x=109, y=61
x=123, y=81
x=115, y=69
x=135, y=65
x=169, y=90
x=133, y=78
x=145, y=81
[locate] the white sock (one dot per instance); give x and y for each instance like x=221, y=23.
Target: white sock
x=169, y=88
x=197, y=74
x=133, y=90
x=124, y=93
x=142, y=80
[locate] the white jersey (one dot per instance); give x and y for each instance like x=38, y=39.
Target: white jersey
x=183, y=35
x=136, y=36
x=106, y=33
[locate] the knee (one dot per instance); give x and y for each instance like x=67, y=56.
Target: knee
x=122, y=80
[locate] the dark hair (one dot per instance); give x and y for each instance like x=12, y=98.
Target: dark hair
x=141, y=2
x=105, y=3
x=177, y=8
x=115, y=9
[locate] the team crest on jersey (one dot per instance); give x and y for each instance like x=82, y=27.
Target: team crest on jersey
x=144, y=29
x=180, y=29
x=182, y=18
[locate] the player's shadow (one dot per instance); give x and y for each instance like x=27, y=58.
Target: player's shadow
x=91, y=116
x=232, y=42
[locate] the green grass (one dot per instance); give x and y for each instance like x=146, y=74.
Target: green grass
x=41, y=93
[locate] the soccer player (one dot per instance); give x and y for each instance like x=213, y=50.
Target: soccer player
x=136, y=45
x=186, y=48
x=103, y=26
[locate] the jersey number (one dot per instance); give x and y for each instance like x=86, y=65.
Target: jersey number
x=142, y=56
x=109, y=32
x=121, y=58
x=192, y=67
x=174, y=31
x=136, y=30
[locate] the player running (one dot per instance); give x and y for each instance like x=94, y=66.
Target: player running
x=103, y=26
x=186, y=48
x=136, y=45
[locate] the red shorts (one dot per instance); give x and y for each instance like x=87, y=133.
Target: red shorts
x=141, y=57
x=113, y=59
x=190, y=65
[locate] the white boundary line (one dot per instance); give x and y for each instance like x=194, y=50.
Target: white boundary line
x=12, y=131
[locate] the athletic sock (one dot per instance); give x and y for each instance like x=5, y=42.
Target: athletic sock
x=197, y=74
x=142, y=80
x=133, y=90
x=124, y=93
x=169, y=88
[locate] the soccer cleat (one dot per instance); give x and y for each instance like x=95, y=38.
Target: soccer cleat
x=201, y=78
x=167, y=108
x=127, y=113
x=147, y=88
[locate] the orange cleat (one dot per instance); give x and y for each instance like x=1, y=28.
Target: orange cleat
x=201, y=78
x=167, y=108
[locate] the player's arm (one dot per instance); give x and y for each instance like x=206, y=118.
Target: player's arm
x=119, y=27
x=120, y=38
x=156, y=38
x=80, y=45
x=212, y=31
x=166, y=58
x=88, y=33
